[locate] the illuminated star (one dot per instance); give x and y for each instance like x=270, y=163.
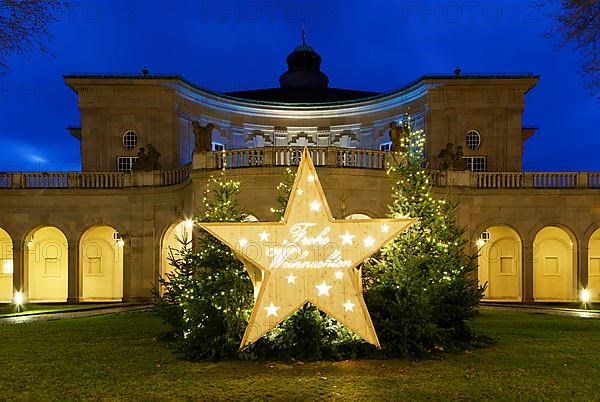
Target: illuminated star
x=323, y=289
x=272, y=310
x=349, y=306
x=347, y=238
x=385, y=228
x=264, y=236
x=300, y=244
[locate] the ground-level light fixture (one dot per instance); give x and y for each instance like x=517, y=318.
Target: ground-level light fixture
x=585, y=297
x=18, y=300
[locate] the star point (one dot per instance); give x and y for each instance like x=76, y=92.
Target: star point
x=299, y=192
x=349, y=306
x=339, y=275
x=369, y=242
x=385, y=228
x=243, y=242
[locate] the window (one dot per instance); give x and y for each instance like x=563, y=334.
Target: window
x=594, y=266
x=506, y=266
x=51, y=266
x=129, y=139
x=217, y=146
x=473, y=139
x=124, y=163
x=94, y=266
x=7, y=267
x=550, y=267
x=386, y=146
x=476, y=163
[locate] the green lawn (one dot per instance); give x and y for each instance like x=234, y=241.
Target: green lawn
x=117, y=357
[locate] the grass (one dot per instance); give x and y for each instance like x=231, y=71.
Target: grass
x=117, y=357
x=9, y=310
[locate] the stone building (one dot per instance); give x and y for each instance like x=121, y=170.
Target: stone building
x=103, y=234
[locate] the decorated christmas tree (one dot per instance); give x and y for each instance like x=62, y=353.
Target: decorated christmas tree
x=208, y=297
x=421, y=288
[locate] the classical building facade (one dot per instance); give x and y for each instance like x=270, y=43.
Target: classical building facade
x=103, y=234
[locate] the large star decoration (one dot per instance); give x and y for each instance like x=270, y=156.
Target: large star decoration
x=307, y=257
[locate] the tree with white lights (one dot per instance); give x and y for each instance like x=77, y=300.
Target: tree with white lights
x=421, y=288
x=208, y=296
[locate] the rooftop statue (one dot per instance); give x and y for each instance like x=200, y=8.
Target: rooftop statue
x=147, y=162
x=452, y=160
x=399, y=133
x=203, y=136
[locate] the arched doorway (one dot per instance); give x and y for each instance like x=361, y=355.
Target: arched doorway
x=500, y=263
x=101, y=264
x=553, y=265
x=6, y=267
x=171, y=241
x=594, y=267
x=47, y=265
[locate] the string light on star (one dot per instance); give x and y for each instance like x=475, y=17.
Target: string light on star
x=291, y=278
x=349, y=306
x=347, y=238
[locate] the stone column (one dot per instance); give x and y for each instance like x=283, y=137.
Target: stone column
x=527, y=271
x=19, y=271
x=131, y=264
x=75, y=280
x=582, y=270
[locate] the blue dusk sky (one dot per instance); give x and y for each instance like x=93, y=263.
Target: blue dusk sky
x=228, y=45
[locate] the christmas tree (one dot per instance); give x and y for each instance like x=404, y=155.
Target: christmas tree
x=208, y=296
x=421, y=288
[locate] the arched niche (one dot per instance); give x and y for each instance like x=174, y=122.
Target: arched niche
x=553, y=266
x=101, y=264
x=500, y=263
x=172, y=243
x=47, y=265
x=6, y=267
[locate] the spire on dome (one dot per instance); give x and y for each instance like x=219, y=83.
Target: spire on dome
x=303, y=35
x=304, y=68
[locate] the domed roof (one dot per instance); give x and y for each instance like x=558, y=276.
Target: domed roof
x=304, y=68
x=303, y=48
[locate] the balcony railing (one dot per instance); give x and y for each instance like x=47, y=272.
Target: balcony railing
x=279, y=156
x=379, y=160
x=92, y=180
x=287, y=156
